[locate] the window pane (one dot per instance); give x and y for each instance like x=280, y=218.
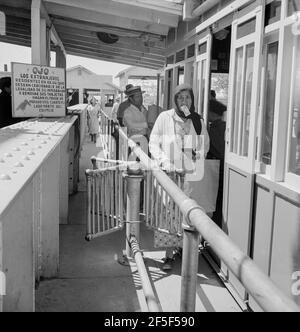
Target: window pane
x=269, y=103
x=247, y=101
x=246, y=28
x=294, y=166
x=272, y=14
x=202, y=48
x=180, y=77
x=237, y=85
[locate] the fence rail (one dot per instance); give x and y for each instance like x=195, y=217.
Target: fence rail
x=163, y=196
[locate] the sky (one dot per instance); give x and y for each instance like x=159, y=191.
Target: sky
x=14, y=53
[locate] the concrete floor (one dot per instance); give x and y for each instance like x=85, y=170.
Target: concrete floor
x=91, y=279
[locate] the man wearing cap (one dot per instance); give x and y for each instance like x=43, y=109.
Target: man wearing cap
x=135, y=115
x=122, y=107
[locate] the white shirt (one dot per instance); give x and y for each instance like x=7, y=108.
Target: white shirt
x=135, y=121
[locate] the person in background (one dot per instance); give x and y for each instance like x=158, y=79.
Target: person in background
x=122, y=107
x=6, y=118
x=170, y=130
x=152, y=114
x=93, y=112
x=216, y=131
x=114, y=110
x=135, y=118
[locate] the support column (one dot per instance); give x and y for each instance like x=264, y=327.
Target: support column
x=60, y=58
x=40, y=39
x=36, y=32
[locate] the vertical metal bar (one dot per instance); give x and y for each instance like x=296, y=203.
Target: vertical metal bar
x=93, y=204
x=148, y=198
x=156, y=216
x=189, y=269
x=98, y=197
x=133, y=208
x=89, y=207
x=116, y=195
x=103, y=202
x=161, y=212
x=152, y=201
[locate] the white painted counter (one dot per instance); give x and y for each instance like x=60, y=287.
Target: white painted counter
x=35, y=157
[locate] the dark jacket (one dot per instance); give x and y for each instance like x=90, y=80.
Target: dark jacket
x=5, y=110
x=122, y=107
x=217, y=140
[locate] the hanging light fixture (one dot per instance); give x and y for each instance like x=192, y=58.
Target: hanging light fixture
x=222, y=34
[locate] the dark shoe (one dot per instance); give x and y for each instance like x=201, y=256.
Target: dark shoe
x=168, y=264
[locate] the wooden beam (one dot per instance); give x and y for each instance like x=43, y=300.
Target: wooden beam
x=125, y=42
x=112, y=55
x=120, y=10
x=117, y=47
x=120, y=55
x=77, y=26
x=84, y=15
x=188, y=9
x=172, y=7
x=114, y=60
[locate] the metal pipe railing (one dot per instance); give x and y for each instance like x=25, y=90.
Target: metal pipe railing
x=150, y=297
x=260, y=286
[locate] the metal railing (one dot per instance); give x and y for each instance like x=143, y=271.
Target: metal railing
x=163, y=197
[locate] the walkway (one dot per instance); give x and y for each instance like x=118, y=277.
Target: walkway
x=91, y=280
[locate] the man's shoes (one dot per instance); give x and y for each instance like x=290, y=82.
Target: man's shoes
x=168, y=264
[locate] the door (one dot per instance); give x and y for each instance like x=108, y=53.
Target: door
x=202, y=75
x=243, y=104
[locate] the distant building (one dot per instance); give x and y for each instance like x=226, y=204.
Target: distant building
x=146, y=78
x=83, y=84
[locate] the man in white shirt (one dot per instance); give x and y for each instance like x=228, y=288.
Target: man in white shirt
x=135, y=118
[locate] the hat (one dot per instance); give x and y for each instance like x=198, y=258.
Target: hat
x=128, y=86
x=133, y=90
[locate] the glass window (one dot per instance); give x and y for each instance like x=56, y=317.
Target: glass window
x=272, y=14
x=244, y=136
x=294, y=162
x=236, y=99
x=180, y=75
x=246, y=28
x=202, y=48
x=269, y=102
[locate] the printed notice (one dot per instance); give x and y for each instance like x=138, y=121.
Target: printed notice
x=38, y=91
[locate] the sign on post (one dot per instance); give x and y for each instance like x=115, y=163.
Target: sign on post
x=38, y=91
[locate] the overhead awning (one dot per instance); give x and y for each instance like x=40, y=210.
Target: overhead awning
x=131, y=32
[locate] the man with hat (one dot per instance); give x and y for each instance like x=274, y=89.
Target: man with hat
x=122, y=107
x=135, y=115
